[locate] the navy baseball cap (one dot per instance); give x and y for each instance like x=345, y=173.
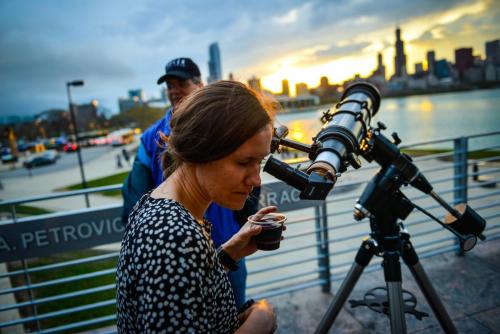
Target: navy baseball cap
x=183, y=68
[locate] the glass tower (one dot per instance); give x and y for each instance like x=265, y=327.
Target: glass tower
x=214, y=63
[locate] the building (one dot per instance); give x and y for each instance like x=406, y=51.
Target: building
x=324, y=83
x=285, y=88
x=327, y=92
x=214, y=63
x=378, y=75
x=419, y=69
x=255, y=84
x=463, y=60
x=493, y=52
x=400, y=58
x=443, y=70
x=491, y=72
x=136, y=98
x=474, y=74
x=298, y=102
x=380, y=71
x=136, y=95
x=431, y=63
x=301, y=89
x=86, y=116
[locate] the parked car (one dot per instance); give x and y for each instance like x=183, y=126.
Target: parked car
x=70, y=147
x=51, y=154
x=39, y=161
x=7, y=155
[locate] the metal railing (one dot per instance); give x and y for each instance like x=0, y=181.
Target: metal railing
x=75, y=290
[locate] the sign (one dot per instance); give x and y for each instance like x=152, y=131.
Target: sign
x=56, y=233
x=69, y=231
x=283, y=196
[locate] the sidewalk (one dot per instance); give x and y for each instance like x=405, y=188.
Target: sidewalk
x=469, y=287
x=43, y=184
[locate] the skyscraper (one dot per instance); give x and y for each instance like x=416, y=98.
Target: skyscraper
x=442, y=69
x=380, y=70
x=431, y=62
x=301, y=89
x=255, y=84
x=285, y=87
x=419, y=68
x=324, y=83
x=400, y=58
x=214, y=63
x=463, y=60
x=493, y=52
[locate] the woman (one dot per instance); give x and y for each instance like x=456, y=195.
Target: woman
x=170, y=278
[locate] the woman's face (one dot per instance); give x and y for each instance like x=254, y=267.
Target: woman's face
x=229, y=180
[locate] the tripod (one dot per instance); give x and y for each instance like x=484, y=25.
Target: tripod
x=388, y=239
x=345, y=135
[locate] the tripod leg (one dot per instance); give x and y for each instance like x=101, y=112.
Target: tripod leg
x=411, y=259
x=365, y=253
x=392, y=272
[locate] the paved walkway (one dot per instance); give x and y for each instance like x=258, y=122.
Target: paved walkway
x=469, y=287
x=46, y=183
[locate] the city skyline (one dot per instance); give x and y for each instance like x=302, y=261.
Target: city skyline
x=461, y=54
x=116, y=46
x=406, y=68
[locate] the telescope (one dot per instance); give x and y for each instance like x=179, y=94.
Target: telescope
x=346, y=135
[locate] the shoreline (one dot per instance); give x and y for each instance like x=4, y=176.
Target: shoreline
x=441, y=90
x=406, y=93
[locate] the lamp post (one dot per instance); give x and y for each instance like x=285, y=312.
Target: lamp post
x=75, y=129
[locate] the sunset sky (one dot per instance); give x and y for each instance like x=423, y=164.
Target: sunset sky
x=120, y=45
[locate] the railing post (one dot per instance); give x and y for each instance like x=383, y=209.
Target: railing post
x=27, y=277
x=323, y=248
x=461, y=175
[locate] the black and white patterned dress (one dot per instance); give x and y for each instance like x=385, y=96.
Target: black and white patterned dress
x=169, y=278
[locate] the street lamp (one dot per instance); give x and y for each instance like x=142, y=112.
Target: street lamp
x=75, y=129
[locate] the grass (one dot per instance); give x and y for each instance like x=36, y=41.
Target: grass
x=48, y=275
x=423, y=152
x=471, y=155
x=103, y=181
x=24, y=210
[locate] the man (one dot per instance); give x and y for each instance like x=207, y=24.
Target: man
x=182, y=77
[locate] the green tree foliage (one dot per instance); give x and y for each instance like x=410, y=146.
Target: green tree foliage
x=140, y=117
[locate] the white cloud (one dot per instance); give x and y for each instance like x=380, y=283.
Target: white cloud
x=288, y=18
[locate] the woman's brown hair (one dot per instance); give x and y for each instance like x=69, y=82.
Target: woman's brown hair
x=214, y=121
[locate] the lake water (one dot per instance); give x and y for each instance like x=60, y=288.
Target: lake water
x=421, y=118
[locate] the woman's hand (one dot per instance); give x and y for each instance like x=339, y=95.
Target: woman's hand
x=242, y=243
x=258, y=318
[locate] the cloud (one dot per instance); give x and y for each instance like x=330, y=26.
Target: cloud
x=118, y=45
x=386, y=11
x=339, y=51
x=288, y=18
x=464, y=26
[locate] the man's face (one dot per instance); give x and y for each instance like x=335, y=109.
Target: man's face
x=178, y=89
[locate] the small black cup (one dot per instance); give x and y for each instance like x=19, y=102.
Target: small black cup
x=272, y=227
